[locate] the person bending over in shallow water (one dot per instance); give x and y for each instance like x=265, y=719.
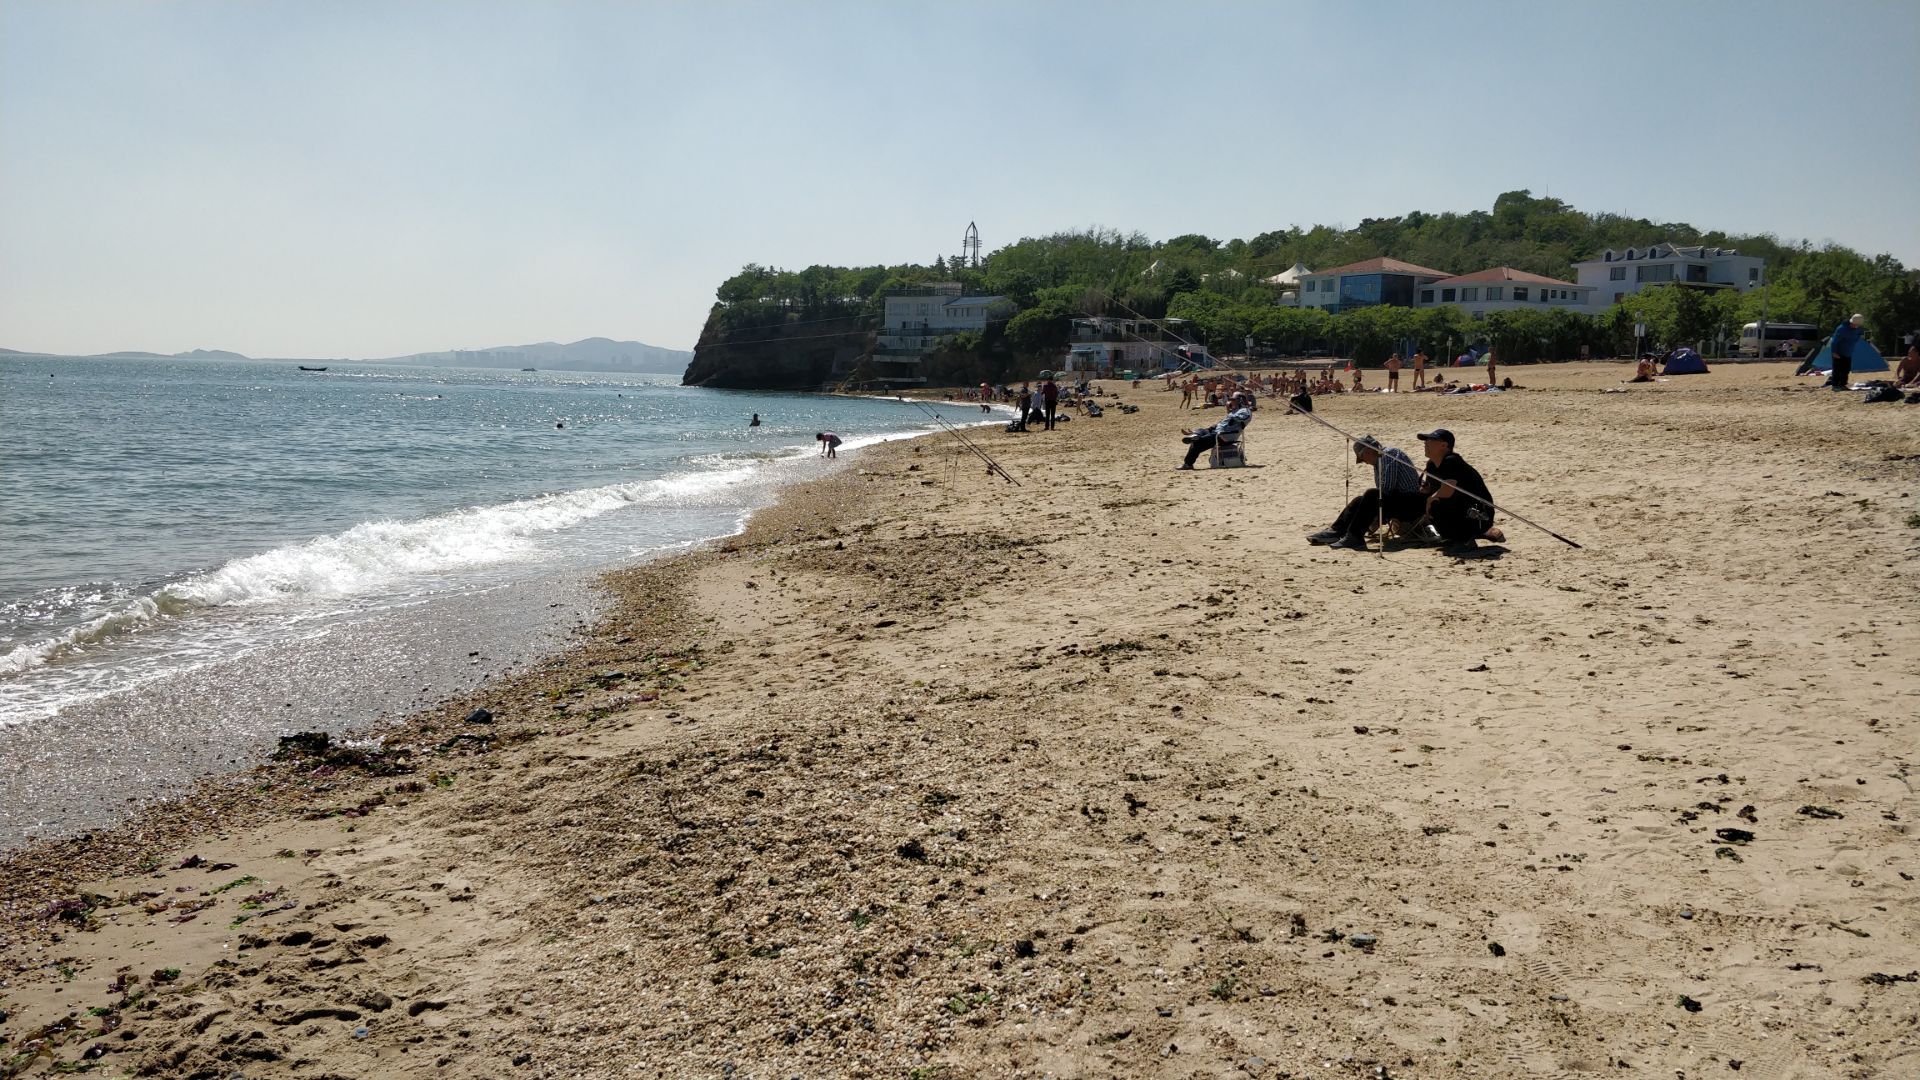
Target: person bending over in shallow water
x=1450, y=480
x=829, y=443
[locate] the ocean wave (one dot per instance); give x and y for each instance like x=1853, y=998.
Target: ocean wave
x=375, y=556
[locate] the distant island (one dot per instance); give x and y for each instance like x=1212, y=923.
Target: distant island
x=133, y=354
x=590, y=354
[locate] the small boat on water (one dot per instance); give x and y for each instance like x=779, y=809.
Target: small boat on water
x=529, y=369
x=304, y=367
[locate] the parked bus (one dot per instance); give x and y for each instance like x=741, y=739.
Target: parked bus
x=1784, y=339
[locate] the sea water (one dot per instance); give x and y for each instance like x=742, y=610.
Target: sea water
x=197, y=555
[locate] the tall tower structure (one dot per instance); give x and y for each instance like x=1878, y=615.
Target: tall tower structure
x=970, y=247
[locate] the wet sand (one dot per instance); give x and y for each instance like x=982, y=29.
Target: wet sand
x=84, y=767
x=1111, y=774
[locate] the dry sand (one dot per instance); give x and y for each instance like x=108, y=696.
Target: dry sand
x=1111, y=775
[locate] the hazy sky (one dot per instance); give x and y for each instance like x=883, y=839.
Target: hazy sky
x=370, y=179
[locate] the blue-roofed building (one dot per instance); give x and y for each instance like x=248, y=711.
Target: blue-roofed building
x=1369, y=283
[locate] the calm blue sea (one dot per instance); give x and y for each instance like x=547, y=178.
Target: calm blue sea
x=207, y=528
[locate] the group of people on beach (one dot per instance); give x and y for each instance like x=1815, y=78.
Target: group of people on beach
x=1449, y=504
x=1215, y=391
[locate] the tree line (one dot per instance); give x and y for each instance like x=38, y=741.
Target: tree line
x=1219, y=287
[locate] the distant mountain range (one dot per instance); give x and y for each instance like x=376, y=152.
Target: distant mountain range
x=591, y=354
x=131, y=354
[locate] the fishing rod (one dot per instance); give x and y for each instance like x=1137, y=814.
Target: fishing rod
x=1292, y=408
x=993, y=467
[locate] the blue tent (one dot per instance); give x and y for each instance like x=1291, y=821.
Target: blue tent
x=1865, y=357
x=1684, y=361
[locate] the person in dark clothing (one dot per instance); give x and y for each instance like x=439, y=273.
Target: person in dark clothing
x=1458, y=519
x=1845, y=337
x=1025, y=402
x=1050, y=396
x=1394, y=474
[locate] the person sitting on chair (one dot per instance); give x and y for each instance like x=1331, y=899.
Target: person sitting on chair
x=1458, y=519
x=1230, y=426
x=1394, y=496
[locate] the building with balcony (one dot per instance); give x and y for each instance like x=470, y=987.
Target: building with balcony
x=1366, y=284
x=1504, y=289
x=915, y=320
x=1616, y=275
x=1103, y=344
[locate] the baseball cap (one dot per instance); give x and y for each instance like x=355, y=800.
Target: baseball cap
x=1437, y=433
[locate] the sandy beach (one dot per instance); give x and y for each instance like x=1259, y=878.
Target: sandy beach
x=1109, y=774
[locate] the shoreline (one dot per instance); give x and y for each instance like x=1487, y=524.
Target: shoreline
x=1112, y=774
x=130, y=746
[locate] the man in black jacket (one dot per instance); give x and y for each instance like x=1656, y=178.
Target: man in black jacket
x=1450, y=481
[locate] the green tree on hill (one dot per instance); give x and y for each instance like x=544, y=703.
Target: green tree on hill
x=1218, y=283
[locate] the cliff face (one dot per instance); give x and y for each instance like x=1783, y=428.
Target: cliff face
x=795, y=355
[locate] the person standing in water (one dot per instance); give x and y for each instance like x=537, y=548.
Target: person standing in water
x=755, y=422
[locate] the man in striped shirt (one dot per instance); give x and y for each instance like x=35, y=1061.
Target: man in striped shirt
x=1395, y=494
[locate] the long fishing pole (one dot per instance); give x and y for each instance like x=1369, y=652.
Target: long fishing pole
x=993, y=467
x=1292, y=408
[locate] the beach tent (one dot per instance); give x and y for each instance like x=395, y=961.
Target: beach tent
x=1865, y=357
x=1684, y=361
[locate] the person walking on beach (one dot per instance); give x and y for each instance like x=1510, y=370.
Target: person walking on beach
x=1419, y=368
x=1490, y=379
x=1394, y=496
x=1050, y=394
x=1845, y=337
x=1393, y=373
x=829, y=443
x=1458, y=519
x=1025, y=401
x=1186, y=394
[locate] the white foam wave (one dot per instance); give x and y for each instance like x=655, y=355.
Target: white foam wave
x=377, y=556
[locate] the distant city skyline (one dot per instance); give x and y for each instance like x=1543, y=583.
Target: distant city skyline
x=377, y=179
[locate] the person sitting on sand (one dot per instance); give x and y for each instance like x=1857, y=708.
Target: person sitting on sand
x=1394, y=496
x=1459, y=519
x=1202, y=440
x=829, y=443
x=1909, y=374
x=1643, y=372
